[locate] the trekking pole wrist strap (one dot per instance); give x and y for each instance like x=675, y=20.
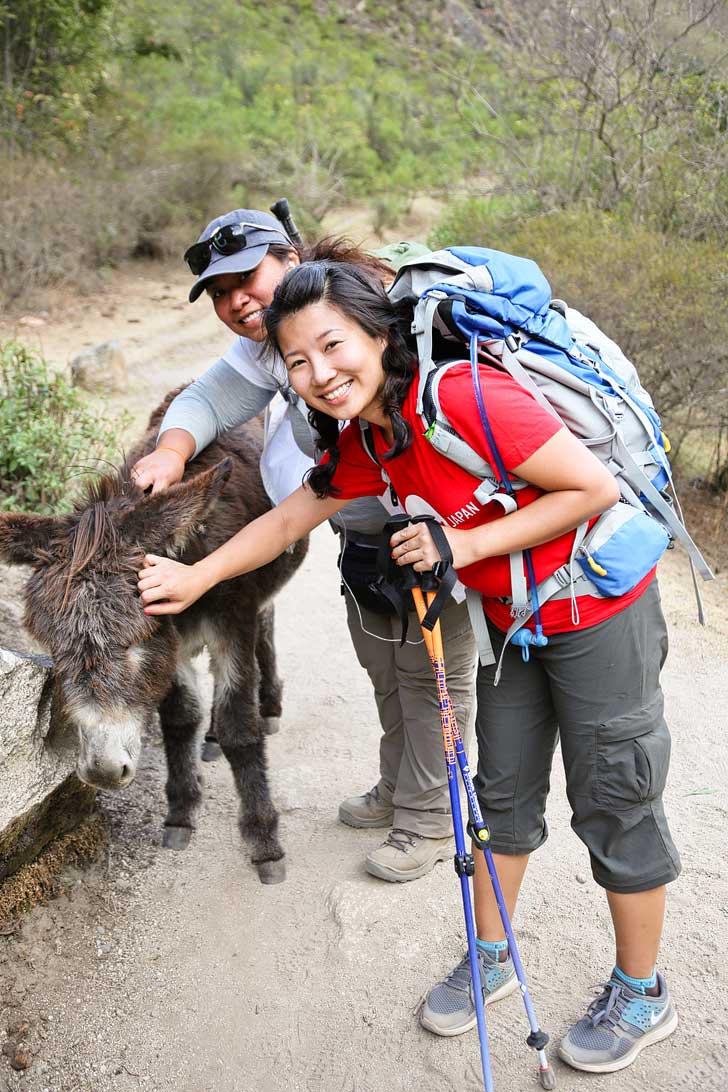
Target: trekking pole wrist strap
x=443, y=576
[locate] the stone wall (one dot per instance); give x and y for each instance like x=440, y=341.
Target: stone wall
x=40, y=795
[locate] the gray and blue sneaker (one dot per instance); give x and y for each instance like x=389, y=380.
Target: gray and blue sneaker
x=449, y=1008
x=617, y=1026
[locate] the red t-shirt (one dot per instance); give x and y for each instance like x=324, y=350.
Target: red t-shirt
x=428, y=483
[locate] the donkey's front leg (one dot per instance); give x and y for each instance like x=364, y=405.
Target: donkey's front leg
x=179, y=715
x=240, y=734
x=270, y=687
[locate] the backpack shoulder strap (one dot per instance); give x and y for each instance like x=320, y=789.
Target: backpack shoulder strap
x=367, y=439
x=448, y=442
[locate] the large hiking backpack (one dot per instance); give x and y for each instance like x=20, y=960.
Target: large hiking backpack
x=500, y=305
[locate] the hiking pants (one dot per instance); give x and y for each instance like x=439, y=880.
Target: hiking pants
x=413, y=774
x=598, y=688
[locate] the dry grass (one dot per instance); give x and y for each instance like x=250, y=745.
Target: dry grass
x=59, y=225
x=38, y=881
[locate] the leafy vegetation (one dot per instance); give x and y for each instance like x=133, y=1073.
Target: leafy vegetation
x=53, y=53
x=618, y=105
x=598, y=130
x=156, y=116
x=48, y=434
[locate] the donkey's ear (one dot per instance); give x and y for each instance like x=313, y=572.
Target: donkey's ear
x=167, y=521
x=23, y=536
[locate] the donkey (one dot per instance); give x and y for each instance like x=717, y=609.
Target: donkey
x=115, y=666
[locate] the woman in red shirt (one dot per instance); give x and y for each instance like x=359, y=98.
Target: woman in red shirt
x=596, y=682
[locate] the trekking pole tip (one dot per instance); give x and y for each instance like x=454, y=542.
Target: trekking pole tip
x=547, y=1077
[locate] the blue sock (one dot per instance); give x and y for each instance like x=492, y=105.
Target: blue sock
x=493, y=948
x=639, y=985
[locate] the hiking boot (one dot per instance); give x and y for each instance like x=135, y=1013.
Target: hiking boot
x=617, y=1026
x=407, y=856
x=368, y=810
x=449, y=1007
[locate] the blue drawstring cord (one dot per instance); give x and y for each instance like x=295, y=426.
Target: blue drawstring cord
x=523, y=637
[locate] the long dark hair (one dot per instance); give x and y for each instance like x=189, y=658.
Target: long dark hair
x=358, y=294
x=334, y=248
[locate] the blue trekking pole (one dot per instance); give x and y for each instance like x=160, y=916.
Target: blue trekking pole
x=455, y=758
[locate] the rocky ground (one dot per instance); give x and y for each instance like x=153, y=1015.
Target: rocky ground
x=178, y=971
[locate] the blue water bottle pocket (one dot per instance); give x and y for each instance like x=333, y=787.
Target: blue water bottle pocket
x=621, y=548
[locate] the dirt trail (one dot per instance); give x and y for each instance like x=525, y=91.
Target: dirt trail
x=179, y=971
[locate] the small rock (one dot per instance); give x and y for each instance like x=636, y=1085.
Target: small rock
x=21, y=1060
x=580, y=877
x=31, y=320
x=103, y=366
x=19, y=1029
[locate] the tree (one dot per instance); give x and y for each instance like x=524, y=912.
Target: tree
x=52, y=61
x=624, y=107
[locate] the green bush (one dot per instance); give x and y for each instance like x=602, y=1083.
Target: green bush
x=48, y=434
x=54, y=53
x=662, y=299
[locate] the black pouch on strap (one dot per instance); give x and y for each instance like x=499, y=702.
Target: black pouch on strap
x=359, y=572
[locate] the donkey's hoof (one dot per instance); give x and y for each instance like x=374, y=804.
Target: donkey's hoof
x=271, y=725
x=211, y=750
x=176, y=837
x=272, y=871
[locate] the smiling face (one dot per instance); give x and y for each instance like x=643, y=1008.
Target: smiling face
x=240, y=299
x=333, y=364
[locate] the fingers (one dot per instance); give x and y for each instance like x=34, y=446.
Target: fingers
x=151, y=561
x=142, y=474
x=152, y=582
x=143, y=479
x=158, y=470
x=413, y=545
x=164, y=608
x=166, y=586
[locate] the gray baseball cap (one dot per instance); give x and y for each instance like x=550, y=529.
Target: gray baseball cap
x=259, y=229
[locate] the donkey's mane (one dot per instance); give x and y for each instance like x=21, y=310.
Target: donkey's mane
x=107, y=487
x=92, y=529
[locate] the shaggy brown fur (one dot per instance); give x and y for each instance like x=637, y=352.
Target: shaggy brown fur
x=116, y=666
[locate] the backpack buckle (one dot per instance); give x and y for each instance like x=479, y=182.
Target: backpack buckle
x=563, y=576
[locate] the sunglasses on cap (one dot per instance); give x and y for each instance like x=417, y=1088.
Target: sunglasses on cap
x=226, y=240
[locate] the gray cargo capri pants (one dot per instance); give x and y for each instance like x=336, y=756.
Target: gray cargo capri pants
x=599, y=689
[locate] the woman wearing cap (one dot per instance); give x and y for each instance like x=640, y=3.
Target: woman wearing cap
x=238, y=261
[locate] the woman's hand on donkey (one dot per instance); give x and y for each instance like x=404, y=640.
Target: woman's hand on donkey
x=160, y=469
x=169, y=587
